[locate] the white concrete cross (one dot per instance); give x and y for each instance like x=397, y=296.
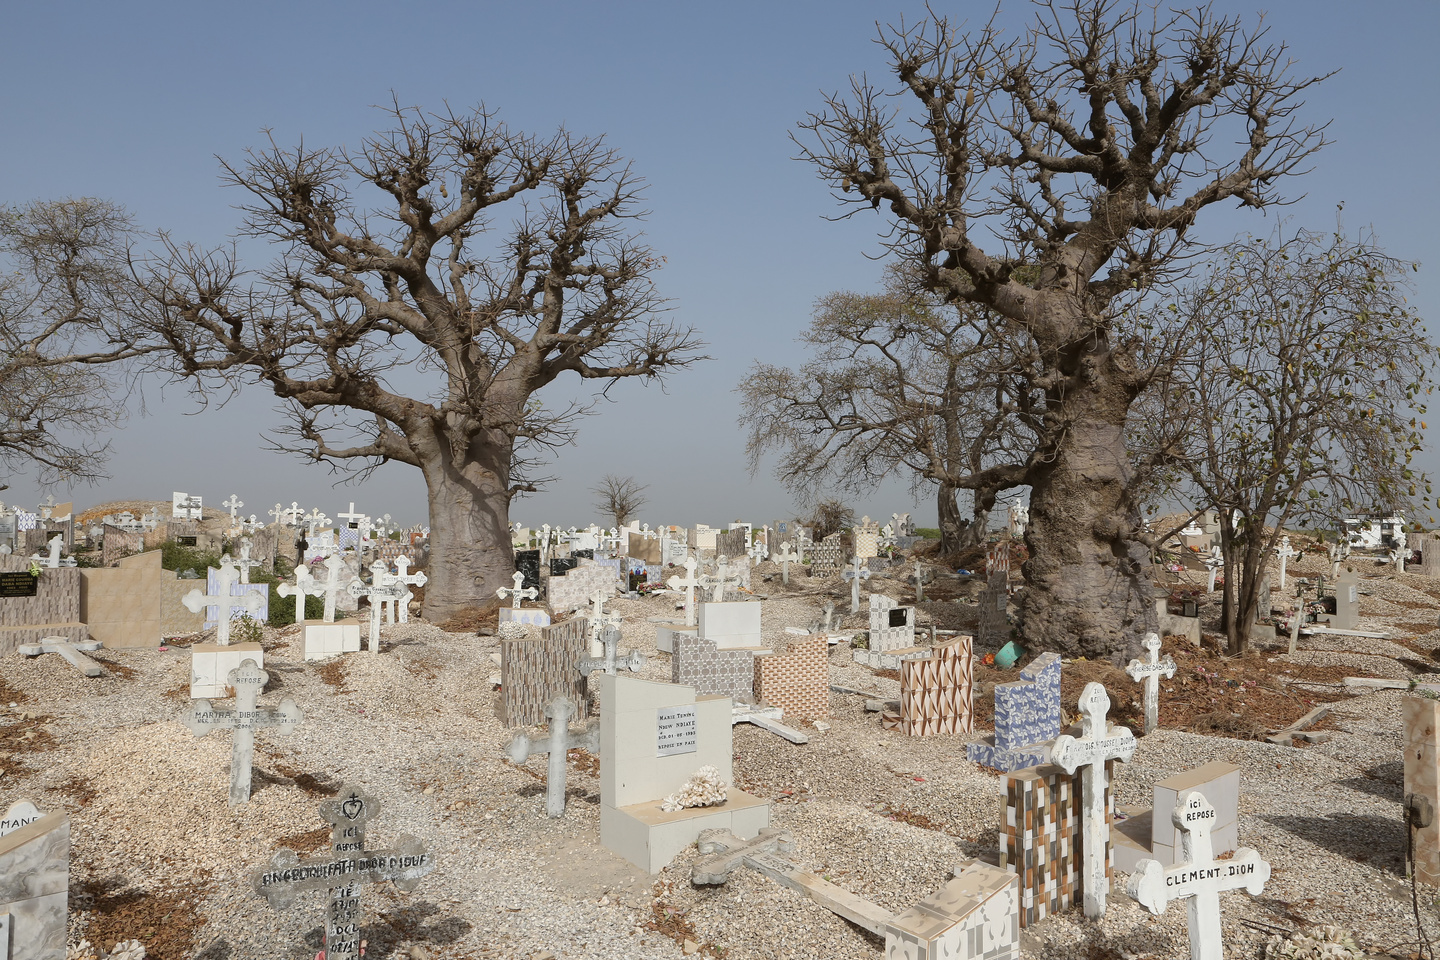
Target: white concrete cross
x=919, y=583
x=277, y=512
x=305, y=585
x=544, y=542
x=716, y=584
x=784, y=558
x=378, y=590
x=1213, y=563
x=314, y=520
x=688, y=584
x=561, y=741
x=334, y=565
x=611, y=661
x=403, y=575
x=1285, y=552
x=48, y=507
x=348, y=866
x=248, y=680
x=1398, y=554
x=234, y=504
x=1199, y=877
x=245, y=563
x=599, y=621
x=515, y=593
x=1098, y=742
x=351, y=518
x=855, y=572
x=758, y=550
x=1338, y=552
x=1149, y=671
x=294, y=514
x=56, y=542
x=70, y=651
x=196, y=600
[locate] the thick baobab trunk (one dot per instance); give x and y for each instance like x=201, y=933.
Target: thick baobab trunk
x=1087, y=590
x=957, y=533
x=470, y=549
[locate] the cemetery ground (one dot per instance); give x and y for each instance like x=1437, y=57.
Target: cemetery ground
x=159, y=855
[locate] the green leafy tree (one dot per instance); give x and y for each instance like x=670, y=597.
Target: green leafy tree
x=1297, y=399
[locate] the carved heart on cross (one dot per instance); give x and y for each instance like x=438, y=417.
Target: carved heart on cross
x=351, y=808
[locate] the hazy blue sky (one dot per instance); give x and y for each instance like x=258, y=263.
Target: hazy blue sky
x=133, y=102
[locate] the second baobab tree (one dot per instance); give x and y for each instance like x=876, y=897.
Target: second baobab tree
x=1050, y=179
x=425, y=288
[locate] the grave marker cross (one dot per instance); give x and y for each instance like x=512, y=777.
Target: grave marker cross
x=333, y=565
x=348, y=866
x=278, y=512
x=248, y=680
x=562, y=741
x=234, y=503
x=515, y=593
x=305, y=585
x=1198, y=877
x=378, y=590
x=716, y=584
x=403, y=575
x=1213, y=563
x=1149, y=671
x=634, y=661
x=223, y=600
x=352, y=519
x=783, y=558
x=1285, y=552
x=855, y=572
x=70, y=651
x=1098, y=742
x=245, y=564
x=688, y=584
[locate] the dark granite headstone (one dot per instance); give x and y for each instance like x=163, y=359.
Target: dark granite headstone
x=560, y=565
x=587, y=554
x=528, y=563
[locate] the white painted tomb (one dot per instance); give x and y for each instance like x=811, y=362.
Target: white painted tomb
x=653, y=737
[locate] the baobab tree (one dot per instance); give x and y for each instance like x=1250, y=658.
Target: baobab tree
x=896, y=385
x=65, y=335
x=1051, y=178
x=422, y=330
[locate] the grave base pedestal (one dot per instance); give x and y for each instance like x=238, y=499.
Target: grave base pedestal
x=665, y=636
x=888, y=659
x=985, y=753
x=533, y=616
x=329, y=639
x=650, y=837
x=211, y=663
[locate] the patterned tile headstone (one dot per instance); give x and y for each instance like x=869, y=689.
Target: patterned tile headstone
x=1027, y=716
x=826, y=559
x=698, y=663
x=1042, y=839
x=534, y=672
x=892, y=627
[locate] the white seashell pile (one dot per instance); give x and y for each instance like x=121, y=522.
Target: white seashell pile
x=703, y=789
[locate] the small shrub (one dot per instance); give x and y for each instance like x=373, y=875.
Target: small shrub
x=175, y=557
x=282, y=609
x=246, y=629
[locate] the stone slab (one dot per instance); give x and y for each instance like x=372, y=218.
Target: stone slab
x=211, y=663
x=34, y=887
x=323, y=639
